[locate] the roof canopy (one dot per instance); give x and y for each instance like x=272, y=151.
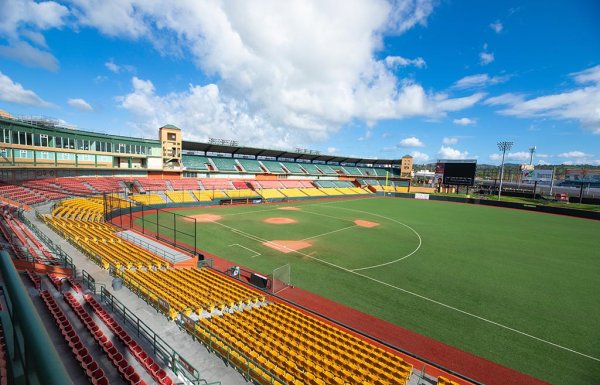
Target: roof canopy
x=235, y=150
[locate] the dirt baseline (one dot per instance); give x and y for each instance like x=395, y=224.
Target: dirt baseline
x=289, y=208
x=279, y=221
x=287, y=246
x=203, y=218
x=369, y=224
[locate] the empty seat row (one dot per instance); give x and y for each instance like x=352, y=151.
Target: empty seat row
x=81, y=353
x=159, y=374
x=127, y=372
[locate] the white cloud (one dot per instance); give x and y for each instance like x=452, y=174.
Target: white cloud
x=590, y=75
x=203, y=112
x=23, y=19
x=411, y=142
x=332, y=150
x=464, y=121
x=518, y=156
x=368, y=135
x=486, y=58
x=29, y=55
x=449, y=141
x=581, y=104
x=575, y=154
x=405, y=14
x=447, y=152
x=20, y=14
x=116, y=68
x=399, y=61
x=112, y=67
x=80, y=104
x=419, y=157
x=308, y=71
x=497, y=26
x=15, y=93
x=479, y=81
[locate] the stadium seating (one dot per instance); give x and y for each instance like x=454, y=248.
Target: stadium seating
x=74, y=186
x=21, y=194
x=104, y=184
x=22, y=241
x=444, y=381
x=272, y=166
x=243, y=193
x=99, y=241
x=352, y=171
x=296, y=183
x=224, y=164
x=298, y=348
x=152, y=184
x=216, y=184
x=293, y=168
x=240, y=184
x=326, y=169
x=331, y=191
x=148, y=199
x=128, y=372
x=194, y=290
x=195, y=162
x=268, y=184
x=293, y=193
x=180, y=196
x=270, y=193
x=88, y=364
x=313, y=192
x=145, y=360
x=250, y=165
x=184, y=184
x=310, y=168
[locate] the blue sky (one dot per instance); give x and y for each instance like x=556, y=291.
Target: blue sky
x=434, y=79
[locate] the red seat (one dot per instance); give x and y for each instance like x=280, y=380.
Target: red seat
x=91, y=368
x=160, y=375
x=100, y=381
x=166, y=381
x=134, y=379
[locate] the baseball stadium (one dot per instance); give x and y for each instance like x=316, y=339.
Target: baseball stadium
x=166, y=261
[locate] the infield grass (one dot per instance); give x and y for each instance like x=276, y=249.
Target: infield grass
x=519, y=288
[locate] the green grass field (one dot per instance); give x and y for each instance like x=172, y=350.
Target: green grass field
x=519, y=288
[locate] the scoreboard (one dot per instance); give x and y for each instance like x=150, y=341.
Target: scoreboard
x=456, y=172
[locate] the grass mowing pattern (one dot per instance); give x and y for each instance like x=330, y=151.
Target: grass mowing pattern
x=533, y=272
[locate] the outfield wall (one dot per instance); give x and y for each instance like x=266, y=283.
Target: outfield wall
x=512, y=205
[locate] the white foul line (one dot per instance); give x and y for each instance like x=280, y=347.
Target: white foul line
x=413, y=293
x=329, y=232
x=244, y=247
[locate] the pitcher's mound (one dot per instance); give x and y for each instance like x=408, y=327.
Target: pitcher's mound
x=289, y=208
x=279, y=221
x=204, y=218
x=287, y=246
x=361, y=223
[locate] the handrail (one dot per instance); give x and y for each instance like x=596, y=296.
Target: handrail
x=160, y=348
x=40, y=360
x=67, y=261
x=147, y=246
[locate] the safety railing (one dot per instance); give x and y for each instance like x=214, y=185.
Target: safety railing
x=160, y=348
x=65, y=260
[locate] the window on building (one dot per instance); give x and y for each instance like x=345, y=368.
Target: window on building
x=44, y=140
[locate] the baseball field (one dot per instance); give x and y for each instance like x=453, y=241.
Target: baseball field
x=518, y=288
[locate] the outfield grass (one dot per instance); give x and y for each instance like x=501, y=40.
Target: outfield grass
x=534, y=273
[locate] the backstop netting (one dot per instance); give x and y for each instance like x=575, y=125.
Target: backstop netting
x=281, y=278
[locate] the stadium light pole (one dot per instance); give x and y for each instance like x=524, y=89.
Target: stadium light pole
x=503, y=146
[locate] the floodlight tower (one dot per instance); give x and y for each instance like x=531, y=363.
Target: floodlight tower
x=503, y=146
x=531, y=151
